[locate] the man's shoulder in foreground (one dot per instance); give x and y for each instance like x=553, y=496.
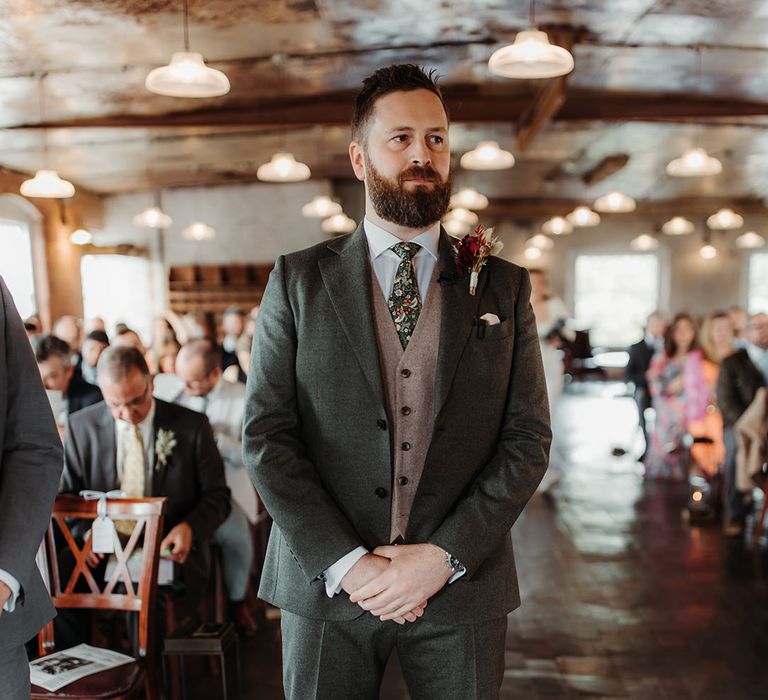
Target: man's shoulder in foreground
x=735, y=360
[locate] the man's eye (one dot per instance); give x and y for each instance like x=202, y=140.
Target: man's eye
x=437, y=139
x=401, y=138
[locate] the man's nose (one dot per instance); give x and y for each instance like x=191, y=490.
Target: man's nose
x=420, y=154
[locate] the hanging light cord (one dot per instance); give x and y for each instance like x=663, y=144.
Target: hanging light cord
x=532, y=13
x=41, y=97
x=186, y=26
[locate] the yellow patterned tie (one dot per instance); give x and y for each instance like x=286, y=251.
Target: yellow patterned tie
x=132, y=482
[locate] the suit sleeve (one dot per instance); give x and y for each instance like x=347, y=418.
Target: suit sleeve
x=214, y=505
x=635, y=371
x=32, y=453
x=314, y=528
x=494, y=501
x=728, y=400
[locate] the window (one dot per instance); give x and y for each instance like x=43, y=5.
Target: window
x=16, y=265
x=757, y=290
x=119, y=289
x=614, y=294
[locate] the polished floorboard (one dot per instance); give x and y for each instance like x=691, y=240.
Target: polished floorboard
x=622, y=596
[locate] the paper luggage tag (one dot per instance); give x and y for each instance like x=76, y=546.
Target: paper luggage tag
x=103, y=536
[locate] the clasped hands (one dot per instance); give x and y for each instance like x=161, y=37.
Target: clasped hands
x=396, y=581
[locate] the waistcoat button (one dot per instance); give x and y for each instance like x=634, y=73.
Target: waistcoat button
x=406, y=410
x=405, y=373
x=406, y=446
x=381, y=492
x=403, y=480
x=381, y=424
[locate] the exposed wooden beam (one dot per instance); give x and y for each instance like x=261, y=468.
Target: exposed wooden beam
x=544, y=108
x=466, y=105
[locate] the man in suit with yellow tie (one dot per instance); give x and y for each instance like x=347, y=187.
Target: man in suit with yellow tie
x=396, y=425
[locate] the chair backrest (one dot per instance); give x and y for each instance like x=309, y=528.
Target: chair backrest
x=119, y=592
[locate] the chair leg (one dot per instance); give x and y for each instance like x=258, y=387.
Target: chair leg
x=758, y=528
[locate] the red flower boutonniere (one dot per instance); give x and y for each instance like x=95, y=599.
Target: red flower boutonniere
x=473, y=251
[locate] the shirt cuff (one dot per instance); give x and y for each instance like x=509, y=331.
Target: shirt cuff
x=336, y=572
x=15, y=587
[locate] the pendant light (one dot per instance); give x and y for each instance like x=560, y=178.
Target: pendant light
x=469, y=198
x=487, y=156
x=187, y=75
x=581, y=217
x=615, y=203
x=153, y=217
x=198, y=231
x=283, y=168
x=465, y=216
x=531, y=56
x=677, y=226
x=321, y=207
x=46, y=182
x=750, y=240
x=695, y=162
x=708, y=251
x=339, y=223
x=644, y=242
x=532, y=253
x=81, y=237
x=455, y=228
x=540, y=241
x=725, y=220
x=557, y=226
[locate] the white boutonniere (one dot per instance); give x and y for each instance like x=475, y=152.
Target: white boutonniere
x=164, y=444
x=473, y=251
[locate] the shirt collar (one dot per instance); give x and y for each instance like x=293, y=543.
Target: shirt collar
x=380, y=240
x=146, y=423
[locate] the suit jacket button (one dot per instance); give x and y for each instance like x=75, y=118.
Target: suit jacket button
x=403, y=481
x=406, y=446
x=405, y=373
x=381, y=492
x=406, y=410
x=381, y=424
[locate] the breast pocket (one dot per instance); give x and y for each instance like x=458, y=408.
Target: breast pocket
x=496, y=332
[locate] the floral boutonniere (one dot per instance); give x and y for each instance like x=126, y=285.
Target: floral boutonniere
x=164, y=444
x=473, y=251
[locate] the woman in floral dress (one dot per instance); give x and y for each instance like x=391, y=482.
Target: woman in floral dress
x=680, y=390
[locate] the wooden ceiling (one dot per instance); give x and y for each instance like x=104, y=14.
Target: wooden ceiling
x=652, y=78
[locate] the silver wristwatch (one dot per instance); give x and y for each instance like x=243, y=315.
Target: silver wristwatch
x=453, y=563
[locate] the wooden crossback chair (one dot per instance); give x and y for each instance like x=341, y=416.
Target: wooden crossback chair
x=118, y=593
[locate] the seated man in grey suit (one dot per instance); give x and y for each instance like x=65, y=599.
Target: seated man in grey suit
x=30, y=465
x=387, y=404
x=148, y=447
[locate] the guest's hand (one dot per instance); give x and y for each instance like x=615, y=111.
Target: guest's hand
x=179, y=542
x=365, y=570
x=93, y=559
x=5, y=594
x=416, y=572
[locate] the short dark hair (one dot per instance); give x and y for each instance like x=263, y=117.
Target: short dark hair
x=403, y=76
x=670, y=346
x=48, y=346
x=207, y=350
x=99, y=337
x=117, y=362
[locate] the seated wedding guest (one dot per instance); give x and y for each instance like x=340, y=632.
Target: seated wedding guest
x=33, y=326
x=640, y=355
x=551, y=314
x=96, y=323
x=167, y=357
x=68, y=328
x=148, y=447
x=199, y=385
x=162, y=336
x=244, y=351
x=739, y=318
x=681, y=390
x=93, y=345
x=741, y=375
x=127, y=337
x=233, y=327
x=68, y=392
x=197, y=324
x=30, y=465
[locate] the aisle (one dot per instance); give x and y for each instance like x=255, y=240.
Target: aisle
x=621, y=597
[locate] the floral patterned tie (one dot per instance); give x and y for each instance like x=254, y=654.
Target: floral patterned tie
x=405, y=301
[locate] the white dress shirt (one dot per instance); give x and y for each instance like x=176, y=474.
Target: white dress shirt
x=147, y=430
x=13, y=583
x=385, y=263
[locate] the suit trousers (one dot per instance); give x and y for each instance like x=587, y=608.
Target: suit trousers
x=330, y=660
x=14, y=673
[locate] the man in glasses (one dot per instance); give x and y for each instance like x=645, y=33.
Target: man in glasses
x=148, y=447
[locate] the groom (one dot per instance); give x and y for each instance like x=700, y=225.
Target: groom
x=394, y=434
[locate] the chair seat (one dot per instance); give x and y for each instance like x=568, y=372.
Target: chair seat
x=118, y=682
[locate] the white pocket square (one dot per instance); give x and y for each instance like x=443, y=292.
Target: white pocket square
x=490, y=319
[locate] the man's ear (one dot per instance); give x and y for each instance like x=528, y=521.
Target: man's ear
x=357, y=160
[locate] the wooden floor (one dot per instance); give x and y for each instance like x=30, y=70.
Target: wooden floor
x=622, y=597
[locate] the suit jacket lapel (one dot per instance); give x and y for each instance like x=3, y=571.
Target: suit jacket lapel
x=107, y=453
x=156, y=476
x=347, y=279
x=459, y=310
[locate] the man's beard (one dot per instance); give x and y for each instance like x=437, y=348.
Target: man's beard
x=416, y=208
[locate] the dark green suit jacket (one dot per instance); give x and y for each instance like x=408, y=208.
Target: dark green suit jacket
x=321, y=462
